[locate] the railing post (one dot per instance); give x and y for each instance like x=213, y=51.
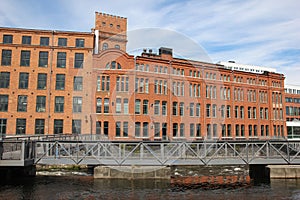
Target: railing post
x=267, y=149
x=23, y=151
x=141, y=150
x=162, y=151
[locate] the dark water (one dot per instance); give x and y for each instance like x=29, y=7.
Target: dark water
x=85, y=187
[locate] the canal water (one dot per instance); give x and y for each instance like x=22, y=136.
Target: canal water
x=85, y=187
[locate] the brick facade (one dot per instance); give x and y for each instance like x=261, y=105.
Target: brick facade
x=147, y=97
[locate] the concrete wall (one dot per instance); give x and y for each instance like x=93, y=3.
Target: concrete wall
x=284, y=171
x=132, y=172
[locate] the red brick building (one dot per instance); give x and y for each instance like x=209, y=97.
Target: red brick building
x=103, y=90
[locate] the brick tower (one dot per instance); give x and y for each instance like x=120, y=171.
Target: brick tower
x=110, y=32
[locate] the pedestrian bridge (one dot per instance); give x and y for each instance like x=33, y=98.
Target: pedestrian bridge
x=74, y=150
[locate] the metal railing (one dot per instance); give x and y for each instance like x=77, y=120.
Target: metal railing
x=124, y=153
x=17, y=150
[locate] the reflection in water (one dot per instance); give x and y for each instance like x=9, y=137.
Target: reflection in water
x=85, y=187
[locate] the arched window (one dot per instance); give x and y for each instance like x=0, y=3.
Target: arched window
x=117, y=46
x=105, y=46
x=113, y=65
x=107, y=66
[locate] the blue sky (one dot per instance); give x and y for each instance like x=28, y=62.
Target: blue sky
x=258, y=32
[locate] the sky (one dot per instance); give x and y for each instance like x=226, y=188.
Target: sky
x=256, y=32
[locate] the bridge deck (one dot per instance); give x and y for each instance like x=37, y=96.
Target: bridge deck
x=124, y=153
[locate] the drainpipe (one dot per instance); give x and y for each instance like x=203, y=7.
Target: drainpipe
x=50, y=78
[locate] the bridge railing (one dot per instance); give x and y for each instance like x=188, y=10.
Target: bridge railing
x=17, y=150
x=167, y=153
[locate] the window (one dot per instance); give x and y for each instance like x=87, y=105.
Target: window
x=7, y=39
x=43, y=59
x=3, y=103
x=249, y=113
x=42, y=81
x=237, y=130
x=164, y=108
x=242, y=112
x=76, y=126
x=145, y=129
x=99, y=105
x=39, y=126
x=98, y=127
x=255, y=130
x=25, y=58
x=3, y=125
x=228, y=112
x=198, y=130
x=242, y=130
x=137, y=106
x=223, y=111
x=41, y=104
x=181, y=131
x=145, y=107
x=59, y=104
x=58, y=126
x=26, y=40
x=44, y=41
x=191, y=109
x=21, y=127
x=207, y=110
x=104, y=46
x=103, y=83
x=137, y=129
x=62, y=42
x=77, y=104
x=214, y=110
x=156, y=129
x=118, y=129
x=60, y=82
x=262, y=130
x=266, y=113
x=77, y=83
x=181, y=109
x=192, y=130
x=125, y=104
x=125, y=129
x=79, y=57
x=118, y=105
x=197, y=109
x=156, y=107
x=175, y=130
x=22, y=103
x=4, y=79
x=208, y=130
x=6, y=57
x=215, y=130
x=23, y=80
x=105, y=128
x=117, y=46
x=223, y=130
x=174, y=108
x=61, y=59
x=79, y=42
x=106, y=105
x=250, y=130
x=236, y=111
x=228, y=130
